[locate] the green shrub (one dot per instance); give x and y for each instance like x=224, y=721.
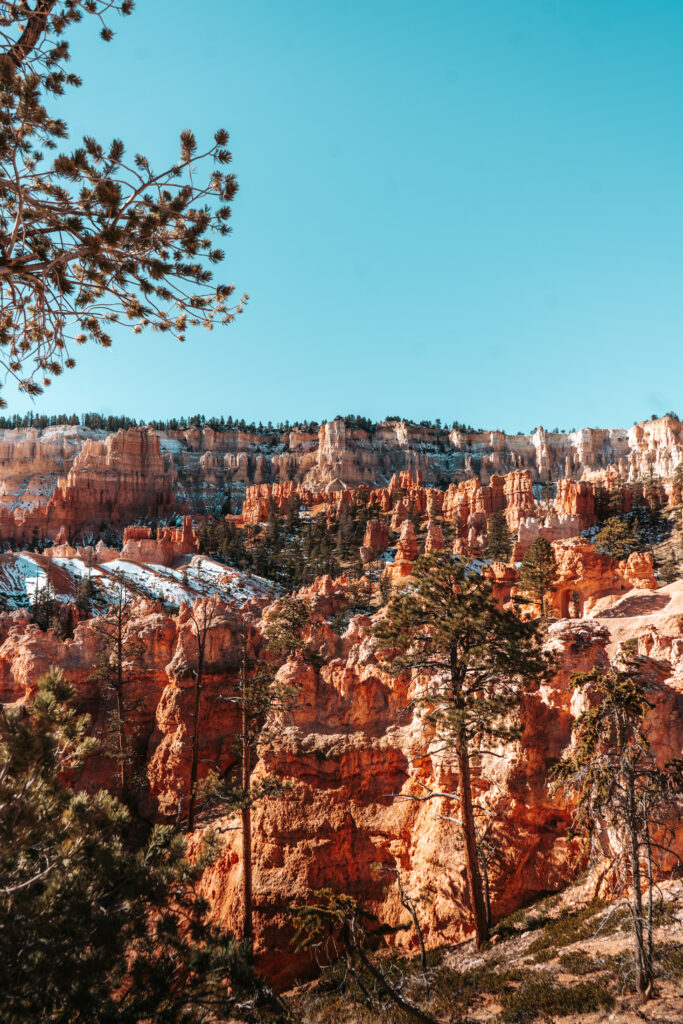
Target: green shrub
x=576, y=926
x=545, y=955
x=577, y=962
x=671, y=960
x=542, y=997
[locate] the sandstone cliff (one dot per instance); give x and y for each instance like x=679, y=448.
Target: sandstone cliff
x=352, y=753
x=158, y=472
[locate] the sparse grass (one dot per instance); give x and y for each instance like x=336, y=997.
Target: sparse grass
x=670, y=959
x=578, y=963
x=514, y=996
x=620, y=969
x=500, y=991
x=664, y=913
x=577, y=926
x=545, y=956
x=526, y=919
x=543, y=998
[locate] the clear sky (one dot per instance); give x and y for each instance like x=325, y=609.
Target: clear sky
x=465, y=209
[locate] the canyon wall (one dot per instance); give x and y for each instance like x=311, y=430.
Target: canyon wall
x=351, y=754
x=75, y=479
x=109, y=481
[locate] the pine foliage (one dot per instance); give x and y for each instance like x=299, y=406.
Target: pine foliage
x=620, y=788
x=499, y=543
x=618, y=537
x=92, y=926
x=477, y=660
x=538, y=572
x=94, y=236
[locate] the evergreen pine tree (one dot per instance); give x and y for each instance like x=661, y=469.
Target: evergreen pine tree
x=94, y=927
x=623, y=793
x=499, y=543
x=678, y=482
x=617, y=538
x=478, y=659
x=538, y=572
x=119, y=652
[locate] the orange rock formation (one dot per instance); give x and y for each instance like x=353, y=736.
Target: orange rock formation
x=140, y=544
x=345, y=751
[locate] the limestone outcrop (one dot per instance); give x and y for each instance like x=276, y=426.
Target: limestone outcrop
x=77, y=478
x=554, y=527
x=195, y=469
x=576, y=498
x=585, y=577
x=111, y=481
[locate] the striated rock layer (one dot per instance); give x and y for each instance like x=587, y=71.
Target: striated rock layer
x=76, y=477
x=110, y=482
x=352, y=752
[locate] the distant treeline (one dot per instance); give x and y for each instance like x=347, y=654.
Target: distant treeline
x=111, y=423
x=95, y=421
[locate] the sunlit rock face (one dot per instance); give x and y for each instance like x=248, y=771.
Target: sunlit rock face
x=352, y=752
x=77, y=478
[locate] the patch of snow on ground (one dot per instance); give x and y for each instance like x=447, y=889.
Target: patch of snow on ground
x=199, y=577
x=78, y=568
x=21, y=579
x=168, y=444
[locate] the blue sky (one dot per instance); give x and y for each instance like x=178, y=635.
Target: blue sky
x=465, y=210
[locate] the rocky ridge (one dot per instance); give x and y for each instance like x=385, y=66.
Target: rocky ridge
x=351, y=757
x=76, y=478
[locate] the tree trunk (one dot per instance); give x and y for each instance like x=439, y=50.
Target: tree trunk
x=474, y=883
x=192, y=801
x=487, y=893
x=122, y=742
x=649, y=945
x=119, y=703
x=643, y=976
x=247, y=922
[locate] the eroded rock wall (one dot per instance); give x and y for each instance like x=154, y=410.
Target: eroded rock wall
x=75, y=478
x=352, y=752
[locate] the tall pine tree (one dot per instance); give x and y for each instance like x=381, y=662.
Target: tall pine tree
x=499, y=542
x=478, y=660
x=538, y=573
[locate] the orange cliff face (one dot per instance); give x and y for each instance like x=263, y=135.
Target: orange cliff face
x=576, y=499
x=119, y=479
x=141, y=545
x=110, y=482
x=350, y=756
x=78, y=479
x=350, y=746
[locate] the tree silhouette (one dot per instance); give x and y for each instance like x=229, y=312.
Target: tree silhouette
x=94, y=237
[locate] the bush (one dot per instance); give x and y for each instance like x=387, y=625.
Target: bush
x=577, y=962
x=542, y=997
x=571, y=927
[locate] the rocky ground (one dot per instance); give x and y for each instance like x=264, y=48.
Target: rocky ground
x=566, y=958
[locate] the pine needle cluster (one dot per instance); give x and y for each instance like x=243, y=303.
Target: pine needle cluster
x=93, y=237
